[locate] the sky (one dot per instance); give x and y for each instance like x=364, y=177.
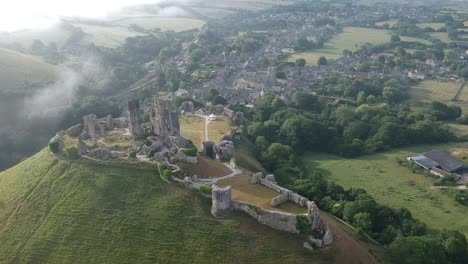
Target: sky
x=39, y=14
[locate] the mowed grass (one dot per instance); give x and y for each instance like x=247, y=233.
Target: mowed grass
x=19, y=72
x=430, y=91
x=54, y=211
x=256, y=194
x=394, y=185
x=193, y=128
x=435, y=26
x=164, y=23
x=216, y=129
x=352, y=38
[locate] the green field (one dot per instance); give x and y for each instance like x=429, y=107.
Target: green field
x=434, y=26
x=394, y=185
x=429, y=91
x=53, y=211
x=19, y=72
x=164, y=23
x=106, y=36
x=442, y=36
x=351, y=39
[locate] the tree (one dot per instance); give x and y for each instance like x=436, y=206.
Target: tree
x=322, y=61
x=362, y=221
x=306, y=101
x=300, y=62
x=395, y=38
x=361, y=98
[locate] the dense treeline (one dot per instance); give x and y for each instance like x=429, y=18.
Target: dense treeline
x=363, y=124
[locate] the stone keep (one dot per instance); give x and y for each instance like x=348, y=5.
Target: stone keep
x=209, y=149
x=164, y=122
x=221, y=201
x=134, y=119
x=313, y=214
x=225, y=150
x=92, y=128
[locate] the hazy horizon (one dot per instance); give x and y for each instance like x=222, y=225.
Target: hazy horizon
x=31, y=14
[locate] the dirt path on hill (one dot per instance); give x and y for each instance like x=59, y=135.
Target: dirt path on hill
x=347, y=249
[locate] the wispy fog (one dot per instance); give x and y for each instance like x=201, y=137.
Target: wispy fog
x=34, y=14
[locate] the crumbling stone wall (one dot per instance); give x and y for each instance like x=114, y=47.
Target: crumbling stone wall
x=282, y=198
x=277, y=220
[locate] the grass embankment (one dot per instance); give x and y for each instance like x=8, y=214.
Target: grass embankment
x=245, y=159
x=205, y=168
x=19, y=72
x=395, y=185
x=54, y=211
x=351, y=39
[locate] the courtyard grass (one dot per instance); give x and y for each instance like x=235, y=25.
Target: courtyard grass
x=216, y=129
x=395, y=185
x=193, y=128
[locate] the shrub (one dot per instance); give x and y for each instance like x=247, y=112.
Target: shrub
x=191, y=152
x=167, y=175
x=54, y=146
x=205, y=189
x=303, y=224
x=132, y=155
x=72, y=153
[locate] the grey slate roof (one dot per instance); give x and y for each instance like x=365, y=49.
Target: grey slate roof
x=445, y=160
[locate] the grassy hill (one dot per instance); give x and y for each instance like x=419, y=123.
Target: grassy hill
x=54, y=211
x=19, y=71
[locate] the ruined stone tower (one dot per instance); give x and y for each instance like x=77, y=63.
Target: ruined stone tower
x=313, y=214
x=164, y=121
x=134, y=119
x=221, y=201
x=92, y=129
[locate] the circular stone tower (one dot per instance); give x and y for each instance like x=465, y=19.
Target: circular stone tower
x=221, y=201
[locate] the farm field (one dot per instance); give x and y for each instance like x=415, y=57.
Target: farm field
x=19, y=72
x=443, y=36
x=429, y=91
x=350, y=39
x=459, y=129
x=219, y=127
x=106, y=36
x=164, y=23
x=434, y=26
x=395, y=185
x=465, y=23
x=193, y=128
x=54, y=211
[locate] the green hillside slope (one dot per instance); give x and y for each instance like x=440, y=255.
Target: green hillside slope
x=54, y=211
x=19, y=71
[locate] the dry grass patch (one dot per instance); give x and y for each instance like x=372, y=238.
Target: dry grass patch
x=219, y=127
x=193, y=128
x=206, y=168
x=435, y=26
x=245, y=191
x=390, y=23
x=443, y=36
